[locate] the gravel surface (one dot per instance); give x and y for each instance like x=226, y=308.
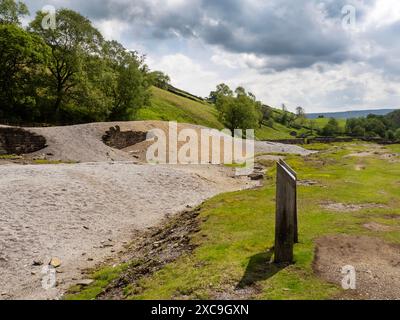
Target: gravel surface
x=83, y=213
x=83, y=143
x=80, y=213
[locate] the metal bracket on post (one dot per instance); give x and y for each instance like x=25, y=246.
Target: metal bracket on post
x=286, y=230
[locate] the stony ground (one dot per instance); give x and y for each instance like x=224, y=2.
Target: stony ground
x=80, y=213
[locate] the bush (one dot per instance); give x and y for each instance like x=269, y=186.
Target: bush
x=332, y=128
x=397, y=135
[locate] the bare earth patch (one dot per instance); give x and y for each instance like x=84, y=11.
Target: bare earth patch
x=308, y=183
x=360, y=167
x=376, y=262
x=373, y=226
x=343, y=207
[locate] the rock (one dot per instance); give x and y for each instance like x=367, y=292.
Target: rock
x=37, y=263
x=55, y=262
x=85, y=282
x=256, y=176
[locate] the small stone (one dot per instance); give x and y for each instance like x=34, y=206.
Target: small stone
x=85, y=227
x=55, y=262
x=256, y=176
x=37, y=263
x=85, y=282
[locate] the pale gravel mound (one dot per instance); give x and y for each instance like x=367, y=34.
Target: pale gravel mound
x=272, y=147
x=83, y=143
x=67, y=211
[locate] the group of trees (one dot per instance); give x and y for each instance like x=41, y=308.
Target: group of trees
x=387, y=127
x=67, y=74
x=237, y=110
x=241, y=110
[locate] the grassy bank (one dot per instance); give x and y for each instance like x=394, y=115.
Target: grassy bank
x=167, y=106
x=237, y=230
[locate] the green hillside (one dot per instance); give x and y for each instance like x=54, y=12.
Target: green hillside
x=322, y=122
x=167, y=106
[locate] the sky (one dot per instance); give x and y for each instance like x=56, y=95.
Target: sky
x=326, y=55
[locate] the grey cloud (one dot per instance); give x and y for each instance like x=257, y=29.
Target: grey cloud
x=300, y=33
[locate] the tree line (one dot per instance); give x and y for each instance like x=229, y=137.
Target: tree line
x=386, y=127
x=67, y=74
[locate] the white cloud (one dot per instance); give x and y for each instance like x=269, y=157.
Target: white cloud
x=112, y=29
x=186, y=73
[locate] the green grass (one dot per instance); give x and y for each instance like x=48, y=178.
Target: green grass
x=167, y=106
x=101, y=279
x=238, y=229
x=278, y=132
x=9, y=157
x=322, y=122
x=45, y=161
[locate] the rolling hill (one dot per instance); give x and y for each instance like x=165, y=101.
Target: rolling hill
x=350, y=114
x=182, y=107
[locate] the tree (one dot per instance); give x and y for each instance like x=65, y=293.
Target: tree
x=222, y=90
x=266, y=113
x=390, y=135
x=160, y=79
x=375, y=126
x=240, y=91
x=237, y=112
x=300, y=112
x=397, y=135
x=11, y=11
x=73, y=43
x=284, y=119
x=332, y=128
x=22, y=56
x=358, y=131
x=129, y=82
x=394, y=119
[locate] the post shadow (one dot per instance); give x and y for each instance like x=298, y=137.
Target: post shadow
x=260, y=268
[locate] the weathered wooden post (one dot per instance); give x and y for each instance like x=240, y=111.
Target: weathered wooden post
x=286, y=229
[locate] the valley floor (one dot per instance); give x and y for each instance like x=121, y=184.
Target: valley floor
x=349, y=200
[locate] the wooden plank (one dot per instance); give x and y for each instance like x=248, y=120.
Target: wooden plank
x=286, y=213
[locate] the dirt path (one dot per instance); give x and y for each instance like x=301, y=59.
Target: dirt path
x=83, y=213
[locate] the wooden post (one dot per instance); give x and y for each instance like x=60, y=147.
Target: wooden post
x=286, y=233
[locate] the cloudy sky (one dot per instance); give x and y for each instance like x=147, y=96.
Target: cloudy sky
x=312, y=53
